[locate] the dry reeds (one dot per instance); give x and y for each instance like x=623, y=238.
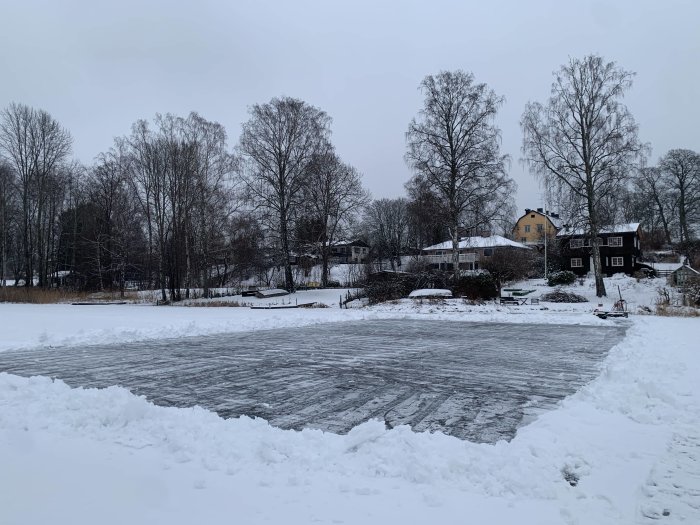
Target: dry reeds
x=667, y=310
x=34, y=295
x=14, y=294
x=215, y=304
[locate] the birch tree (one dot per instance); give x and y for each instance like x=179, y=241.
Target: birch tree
x=584, y=139
x=35, y=145
x=277, y=144
x=454, y=147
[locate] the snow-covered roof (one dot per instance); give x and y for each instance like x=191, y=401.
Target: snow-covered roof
x=686, y=267
x=494, y=241
x=615, y=228
x=430, y=292
x=557, y=221
x=345, y=242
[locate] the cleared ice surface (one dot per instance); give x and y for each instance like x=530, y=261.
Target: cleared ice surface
x=473, y=381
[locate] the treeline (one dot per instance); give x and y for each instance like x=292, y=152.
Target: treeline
x=172, y=206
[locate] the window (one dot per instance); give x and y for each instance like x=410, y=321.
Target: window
x=618, y=261
x=576, y=243
x=615, y=241
x=527, y=228
x=577, y=262
x=523, y=239
x=540, y=228
x=532, y=216
x=488, y=252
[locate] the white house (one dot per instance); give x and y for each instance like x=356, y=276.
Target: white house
x=472, y=251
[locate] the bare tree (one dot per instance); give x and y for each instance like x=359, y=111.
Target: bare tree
x=584, y=139
x=680, y=169
x=7, y=217
x=35, y=145
x=334, y=197
x=214, y=198
x=386, y=221
x=277, y=143
x=181, y=176
x=654, y=201
x=426, y=214
x=509, y=264
x=454, y=146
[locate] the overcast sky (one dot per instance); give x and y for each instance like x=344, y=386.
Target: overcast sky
x=97, y=66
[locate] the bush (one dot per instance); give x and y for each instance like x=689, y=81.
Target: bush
x=560, y=296
x=560, y=278
x=480, y=286
x=389, y=288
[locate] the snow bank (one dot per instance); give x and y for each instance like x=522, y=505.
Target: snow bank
x=430, y=292
x=108, y=456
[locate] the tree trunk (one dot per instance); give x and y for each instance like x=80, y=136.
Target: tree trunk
x=597, y=266
x=324, y=265
x=288, y=277
x=455, y=250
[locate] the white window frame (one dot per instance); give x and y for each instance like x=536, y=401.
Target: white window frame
x=617, y=261
x=527, y=228
x=576, y=243
x=540, y=228
x=576, y=262
x=614, y=241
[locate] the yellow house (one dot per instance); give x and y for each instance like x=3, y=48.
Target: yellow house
x=531, y=227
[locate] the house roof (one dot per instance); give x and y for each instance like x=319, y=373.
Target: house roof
x=494, y=241
x=557, y=222
x=356, y=242
x=615, y=228
x=686, y=267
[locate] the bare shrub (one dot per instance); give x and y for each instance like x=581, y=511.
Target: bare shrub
x=560, y=296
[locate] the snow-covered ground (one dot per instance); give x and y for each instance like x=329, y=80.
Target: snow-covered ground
x=623, y=449
x=26, y=326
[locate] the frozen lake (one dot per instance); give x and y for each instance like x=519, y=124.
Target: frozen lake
x=471, y=380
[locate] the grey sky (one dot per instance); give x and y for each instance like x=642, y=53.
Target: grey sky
x=97, y=67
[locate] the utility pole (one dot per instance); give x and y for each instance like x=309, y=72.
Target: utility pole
x=546, y=231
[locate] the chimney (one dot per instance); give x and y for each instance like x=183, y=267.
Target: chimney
x=527, y=210
x=539, y=210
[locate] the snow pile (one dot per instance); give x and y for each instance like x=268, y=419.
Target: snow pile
x=616, y=451
x=430, y=292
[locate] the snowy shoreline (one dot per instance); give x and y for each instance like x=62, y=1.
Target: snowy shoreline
x=41, y=326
